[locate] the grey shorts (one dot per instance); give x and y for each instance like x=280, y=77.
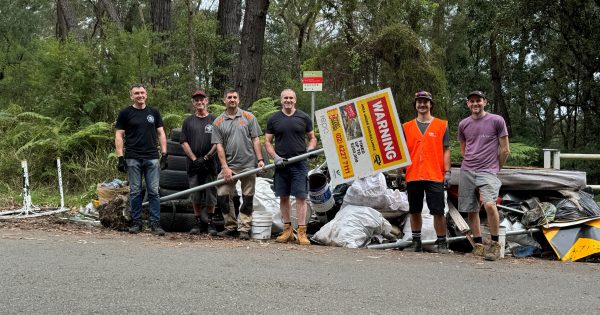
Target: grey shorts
x=208, y=196
x=474, y=186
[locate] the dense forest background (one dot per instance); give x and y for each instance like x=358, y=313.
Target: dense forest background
x=66, y=65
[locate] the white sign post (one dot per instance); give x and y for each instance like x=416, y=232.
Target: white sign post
x=312, y=81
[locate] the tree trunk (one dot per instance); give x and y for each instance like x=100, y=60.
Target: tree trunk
x=191, y=46
x=496, y=73
x=248, y=74
x=65, y=20
x=229, y=16
x=160, y=16
x=112, y=12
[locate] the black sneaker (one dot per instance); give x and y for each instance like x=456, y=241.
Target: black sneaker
x=196, y=230
x=244, y=235
x=136, y=227
x=212, y=231
x=157, y=230
x=227, y=233
x=416, y=246
x=442, y=247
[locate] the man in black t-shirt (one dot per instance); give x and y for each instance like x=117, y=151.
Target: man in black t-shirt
x=291, y=129
x=195, y=140
x=138, y=129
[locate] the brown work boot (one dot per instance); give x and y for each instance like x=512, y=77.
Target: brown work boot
x=493, y=253
x=479, y=250
x=302, y=239
x=287, y=235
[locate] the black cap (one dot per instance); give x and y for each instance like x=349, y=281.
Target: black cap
x=477, y=93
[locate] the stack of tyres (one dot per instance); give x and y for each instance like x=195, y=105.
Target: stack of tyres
x=177, y=215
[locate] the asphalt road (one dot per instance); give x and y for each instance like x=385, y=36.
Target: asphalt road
x=58, y=272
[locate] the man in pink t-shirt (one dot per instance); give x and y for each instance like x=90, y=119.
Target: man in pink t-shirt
x=484, y=146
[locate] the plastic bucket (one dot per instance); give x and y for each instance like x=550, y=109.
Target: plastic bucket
x=485, y=232
x=261, y=227
x=319, y=193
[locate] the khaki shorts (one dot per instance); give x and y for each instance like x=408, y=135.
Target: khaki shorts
x=474, y=186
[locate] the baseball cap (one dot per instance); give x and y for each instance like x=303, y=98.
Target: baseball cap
x=423, y=94
x=199, y=93
x=477, y=93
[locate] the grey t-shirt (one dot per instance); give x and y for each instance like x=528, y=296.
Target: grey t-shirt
x=423, y=127
x=235, y=134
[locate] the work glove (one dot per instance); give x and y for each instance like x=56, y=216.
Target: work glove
x=198, y=165
x=280, y=162
x=163, y=161
x=122, y=165
x=447, y=180
x=312, y=156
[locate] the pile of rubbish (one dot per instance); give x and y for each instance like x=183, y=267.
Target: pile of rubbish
x=555, y=203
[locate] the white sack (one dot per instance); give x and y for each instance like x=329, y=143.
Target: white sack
x=372, y=192
x=353, y=227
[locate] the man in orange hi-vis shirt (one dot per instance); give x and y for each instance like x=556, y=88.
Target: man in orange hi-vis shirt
x=428, y=143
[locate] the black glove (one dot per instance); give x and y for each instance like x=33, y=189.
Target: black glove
x=280, y=162
x=447, y=180
x=198, y=165
x=312, y=156
x=163, y=161
x=122, y=165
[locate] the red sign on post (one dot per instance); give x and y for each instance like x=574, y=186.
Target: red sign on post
x=312, y=81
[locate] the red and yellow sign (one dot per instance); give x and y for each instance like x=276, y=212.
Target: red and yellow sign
x=383, y=141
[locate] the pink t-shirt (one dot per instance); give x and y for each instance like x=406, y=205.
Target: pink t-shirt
x=481, y=137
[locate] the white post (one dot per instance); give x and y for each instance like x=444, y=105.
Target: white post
x=547, y=158
x=60, y=185
x=26, y=194
x=312, y=108
x=556, y=159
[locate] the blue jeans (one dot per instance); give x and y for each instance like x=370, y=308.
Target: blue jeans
x=150, y=169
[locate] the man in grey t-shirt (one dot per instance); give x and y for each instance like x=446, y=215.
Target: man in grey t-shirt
x=484, y=146
x=236, y=133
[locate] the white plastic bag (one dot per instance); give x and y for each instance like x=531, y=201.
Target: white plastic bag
x=353, y=227
x=372, y=192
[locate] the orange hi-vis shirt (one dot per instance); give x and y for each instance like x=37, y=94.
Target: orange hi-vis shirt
x=426, y=150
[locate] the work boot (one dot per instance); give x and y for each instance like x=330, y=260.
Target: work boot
x=157, y=229
x=227, y=233
x=493, y=253
x=479, y=250
x=442, y=247
x=416, y=246
x=302, y=239
x=197, y=229
x=287, y=235
x=244, y=235
x=136, y=227
x=211, y=230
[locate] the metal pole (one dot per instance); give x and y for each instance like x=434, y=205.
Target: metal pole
x=312, y=108
x=237, y=176
x=404, y=244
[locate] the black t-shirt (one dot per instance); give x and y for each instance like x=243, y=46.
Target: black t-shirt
x=290, y=132
x=140, y=132
x=197, y=133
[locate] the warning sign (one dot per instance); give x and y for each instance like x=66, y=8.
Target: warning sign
x=362, y=137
